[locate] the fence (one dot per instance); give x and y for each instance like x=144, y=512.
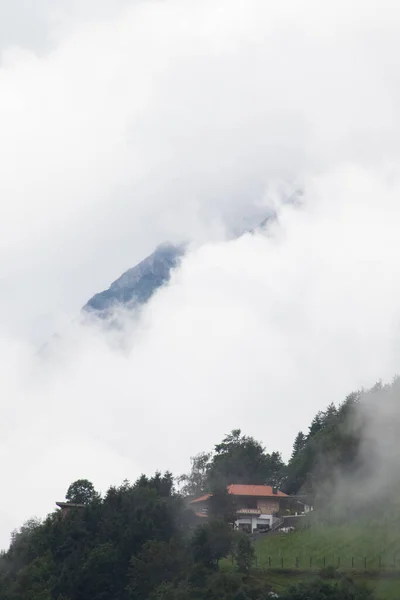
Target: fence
x=345, y=563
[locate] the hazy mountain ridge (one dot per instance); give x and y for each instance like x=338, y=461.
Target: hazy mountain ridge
x=136, y=286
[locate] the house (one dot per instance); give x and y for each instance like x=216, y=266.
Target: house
x=67, y=506
x=258, y=507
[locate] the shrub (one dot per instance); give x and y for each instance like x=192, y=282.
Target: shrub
x=329, y=572
x=345, y=589
x=243, y=552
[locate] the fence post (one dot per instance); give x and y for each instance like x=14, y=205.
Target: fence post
x=310, y=562
x=282, y=561
x=380, y=562
x=352, y=562
x=297, y=562
x=324, y=561
x=269, y=561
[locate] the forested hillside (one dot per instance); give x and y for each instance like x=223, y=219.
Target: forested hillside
x=138, y=542
x=331, y=443
x=141, y=541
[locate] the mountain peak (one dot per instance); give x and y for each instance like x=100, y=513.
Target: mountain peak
x=136, y=286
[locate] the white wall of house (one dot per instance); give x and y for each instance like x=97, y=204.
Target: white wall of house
x=254, y=521
x=253, y=512
x=244, y=521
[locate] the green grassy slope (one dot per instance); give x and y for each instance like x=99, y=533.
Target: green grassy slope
x=365, y=544
x=367, y=549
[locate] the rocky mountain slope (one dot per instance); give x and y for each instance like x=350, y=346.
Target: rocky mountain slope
x=137, y=285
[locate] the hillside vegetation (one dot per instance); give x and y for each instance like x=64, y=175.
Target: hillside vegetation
x=368, y=543
x=141, y=541
x=366, y=549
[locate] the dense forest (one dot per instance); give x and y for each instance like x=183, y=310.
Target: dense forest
x=141, y=541
x=333, y=440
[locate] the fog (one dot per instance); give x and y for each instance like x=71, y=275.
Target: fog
x=128, y=124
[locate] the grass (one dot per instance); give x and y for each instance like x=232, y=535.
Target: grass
x=385, y=589
x=362, y=545
x=367, y=549
x=281, y=579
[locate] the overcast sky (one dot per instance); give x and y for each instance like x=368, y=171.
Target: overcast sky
x=126, y=124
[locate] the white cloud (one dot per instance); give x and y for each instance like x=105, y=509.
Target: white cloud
x=180, y=120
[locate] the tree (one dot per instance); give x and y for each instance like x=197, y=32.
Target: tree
x=163, y=484
x=222, y=505
x=195, y=483
x=332, y=445
x=299, y=443
x=243, y=552
x=241, y=459
x=157, y=562
x=237, y=459
x=211, y=542
x=81, y=492
x=169, y=591
x=99, y=573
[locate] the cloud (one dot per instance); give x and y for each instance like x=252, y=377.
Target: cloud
x=179, y=121
x=39, y=26
x=168, y=121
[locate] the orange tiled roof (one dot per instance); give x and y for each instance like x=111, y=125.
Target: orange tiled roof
x=236, y=489
x=201, y=499
x=264, y=491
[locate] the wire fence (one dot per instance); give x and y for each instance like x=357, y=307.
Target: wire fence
x=359, y=563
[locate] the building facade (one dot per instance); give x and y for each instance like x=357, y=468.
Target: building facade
x=258, y=507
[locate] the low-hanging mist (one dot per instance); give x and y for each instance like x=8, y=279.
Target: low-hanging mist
x=176, y=121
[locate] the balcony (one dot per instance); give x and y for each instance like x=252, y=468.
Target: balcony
x=249, y=511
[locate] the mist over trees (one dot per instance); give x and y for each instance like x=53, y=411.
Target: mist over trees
x=141, y=541
x=332, y=444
